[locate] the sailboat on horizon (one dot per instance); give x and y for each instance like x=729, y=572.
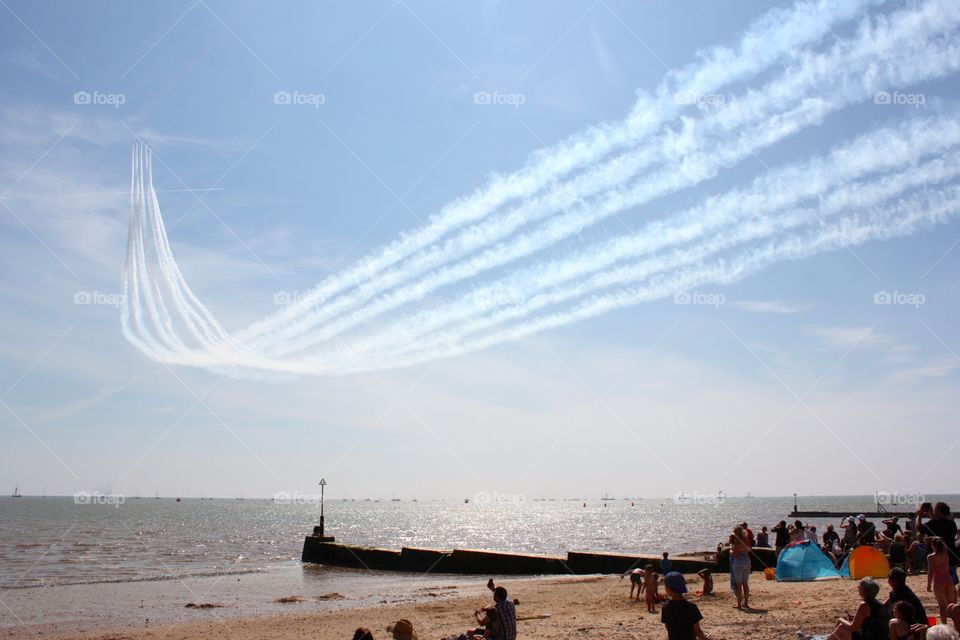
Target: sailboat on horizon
x=16, y=492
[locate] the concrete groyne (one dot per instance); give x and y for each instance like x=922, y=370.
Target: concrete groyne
x=320, y=550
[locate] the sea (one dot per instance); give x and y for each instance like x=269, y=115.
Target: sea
x=114, y=561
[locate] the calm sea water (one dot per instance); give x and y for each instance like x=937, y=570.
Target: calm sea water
x=48, y=541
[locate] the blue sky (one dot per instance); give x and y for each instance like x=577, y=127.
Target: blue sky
x=798, y=381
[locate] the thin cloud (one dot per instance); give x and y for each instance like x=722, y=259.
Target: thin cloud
x=771, y=306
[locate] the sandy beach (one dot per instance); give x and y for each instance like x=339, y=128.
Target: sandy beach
x=591, y=607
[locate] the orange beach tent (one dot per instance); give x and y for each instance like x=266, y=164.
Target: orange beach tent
x=865, y=561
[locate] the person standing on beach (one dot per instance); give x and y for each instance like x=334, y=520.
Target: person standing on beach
x=636, y=581
x=892, y=527
x=938, y=577
x=665, y=563
x=941, y=525
x=680, y=616
x=849, y=526
x=740, y=567
x=782, y=538
x=650, y=587
x=866, y=531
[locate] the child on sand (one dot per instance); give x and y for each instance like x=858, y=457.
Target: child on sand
x=651, y=588
x=903, y=624
x=680, y=617
x=938, y=577
x=636, y=580
x=707, y=578
x=666, y=563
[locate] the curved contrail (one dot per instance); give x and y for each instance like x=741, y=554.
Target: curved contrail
x=890, y=181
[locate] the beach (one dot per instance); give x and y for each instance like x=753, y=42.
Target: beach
x=589, y=607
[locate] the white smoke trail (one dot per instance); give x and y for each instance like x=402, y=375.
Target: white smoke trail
x=704, y=158
x=777, y=36
x=860, y=194
x=905, y=217
x=533, y=288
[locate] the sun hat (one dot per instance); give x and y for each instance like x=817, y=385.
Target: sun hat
x=402, y=629
x=675, y=582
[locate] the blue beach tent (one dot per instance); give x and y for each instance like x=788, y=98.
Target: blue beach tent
x=803, y=562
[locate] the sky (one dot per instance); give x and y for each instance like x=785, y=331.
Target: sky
x=290, y=141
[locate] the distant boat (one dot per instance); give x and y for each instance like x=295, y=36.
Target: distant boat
x=16, y=492
x=607, y=496
x=179, y=500
x=466, y=501
x=749, y=495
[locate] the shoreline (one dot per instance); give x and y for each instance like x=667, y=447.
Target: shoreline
x=588, y=606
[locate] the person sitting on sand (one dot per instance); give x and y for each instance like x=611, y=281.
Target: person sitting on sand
x=899, y=590
x=871, y=621
x=636, y=581
x=680, y=616
x=506, y=611
x=402, y=629
x=903, y=624
x=650, y=586
x=938, y=577
x=707, y=578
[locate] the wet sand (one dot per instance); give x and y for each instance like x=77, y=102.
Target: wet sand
x=590, y=607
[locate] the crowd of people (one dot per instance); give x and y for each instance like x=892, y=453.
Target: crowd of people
x=924, y=542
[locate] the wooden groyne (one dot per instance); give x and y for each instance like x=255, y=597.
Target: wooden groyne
x=319, y=550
